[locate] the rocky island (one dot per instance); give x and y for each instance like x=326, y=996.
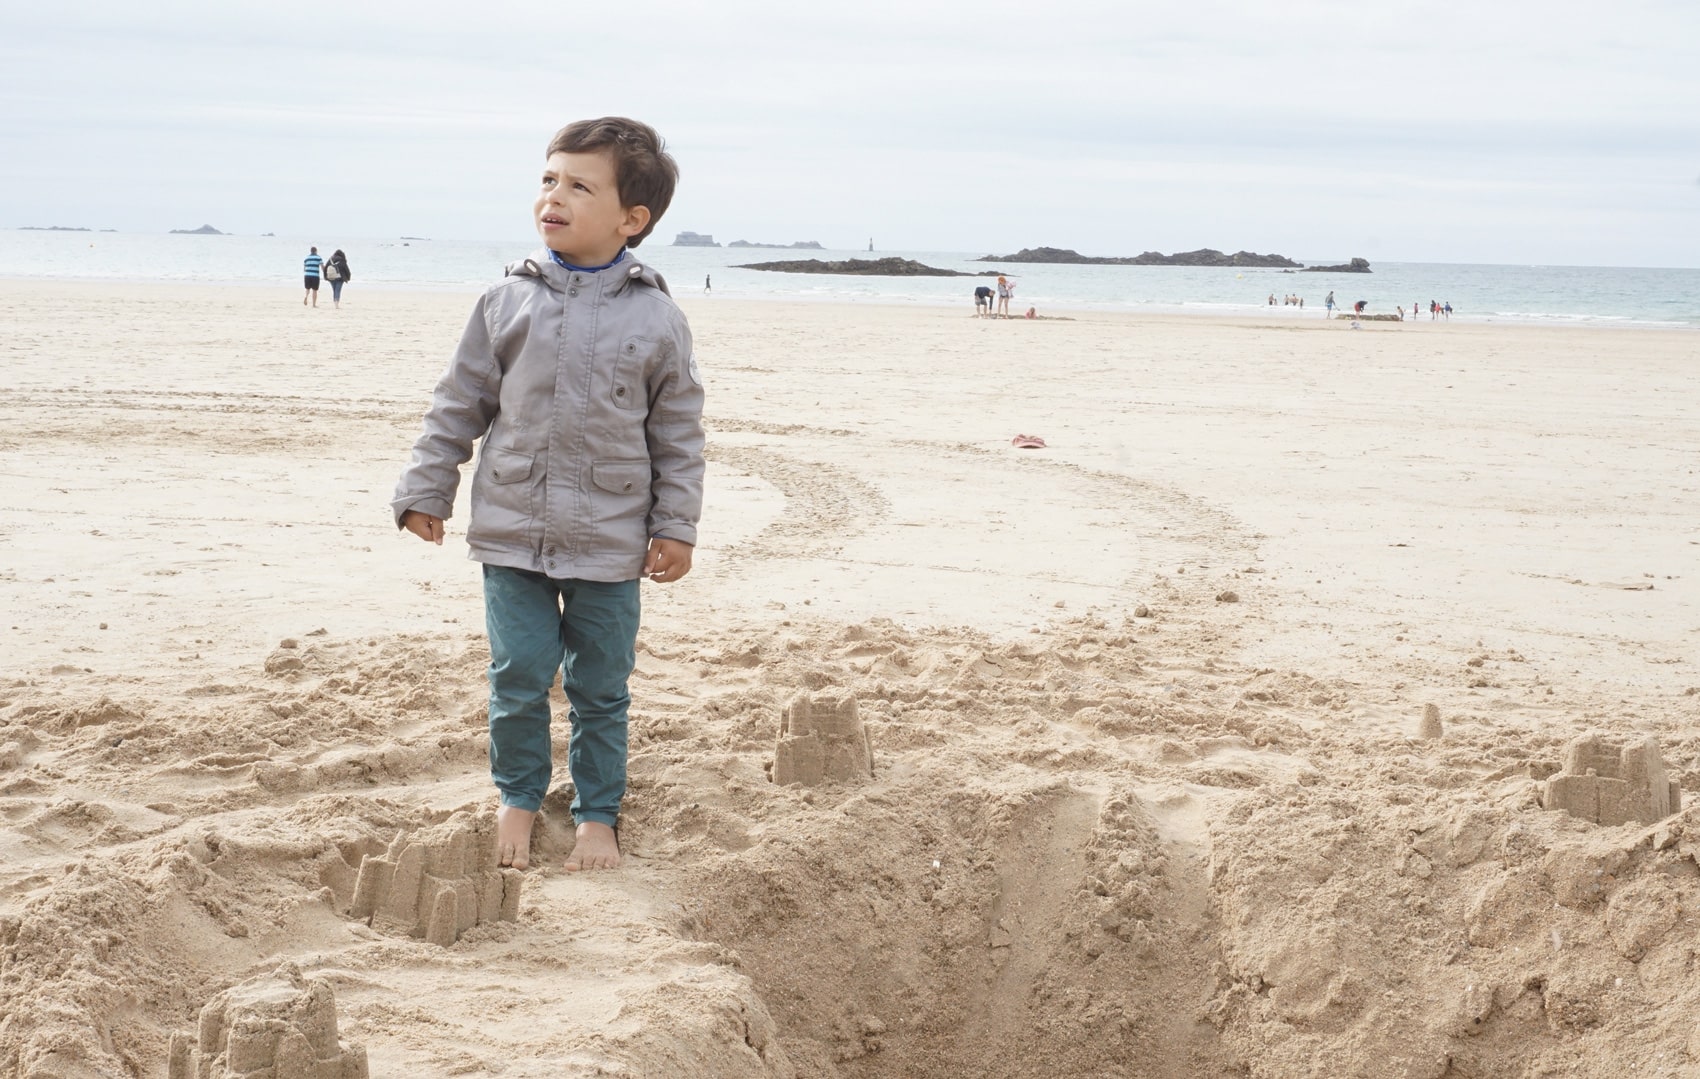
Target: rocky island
x=806, y=245
x=204, y=230
x=886, y=267
x=694, y=239
x=1354, y=266
x=53, y=228
x=1204, y=256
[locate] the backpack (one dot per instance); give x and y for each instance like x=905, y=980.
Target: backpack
x=332, y=273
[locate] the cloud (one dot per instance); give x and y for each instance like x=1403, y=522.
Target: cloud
x=1528, y=130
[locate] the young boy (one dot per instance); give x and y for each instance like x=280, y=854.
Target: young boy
x=576, y=371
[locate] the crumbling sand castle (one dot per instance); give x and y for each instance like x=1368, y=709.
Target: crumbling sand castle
x=275, y=1026
x=822, y=740
x=1430, y=727
x=1613, y=781
x=437, y=883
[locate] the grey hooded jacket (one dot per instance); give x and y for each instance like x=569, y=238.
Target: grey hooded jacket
x=588, y=399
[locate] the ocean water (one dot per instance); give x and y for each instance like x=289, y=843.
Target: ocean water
x=1551, y=294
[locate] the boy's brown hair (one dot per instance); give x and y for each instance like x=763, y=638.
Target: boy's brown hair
x=643, y=169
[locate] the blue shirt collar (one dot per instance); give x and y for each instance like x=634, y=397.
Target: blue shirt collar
x=559, y=261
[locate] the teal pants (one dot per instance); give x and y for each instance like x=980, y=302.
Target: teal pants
x=586, y=631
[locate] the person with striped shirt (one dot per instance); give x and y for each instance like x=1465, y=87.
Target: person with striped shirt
x=311, y=269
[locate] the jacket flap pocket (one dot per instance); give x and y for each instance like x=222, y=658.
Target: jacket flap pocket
x=621, y=477
x=509, y=467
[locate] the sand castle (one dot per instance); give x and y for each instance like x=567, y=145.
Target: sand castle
x=437, y=883
x=822, y=740
x=280, y=1024
x=1431, y=727
x=1613, y=781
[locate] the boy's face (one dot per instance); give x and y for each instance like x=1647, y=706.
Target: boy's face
x=578, y=211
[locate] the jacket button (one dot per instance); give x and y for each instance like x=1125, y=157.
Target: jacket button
x=550, y=552
x=628, y=485
x=619, y=391
x=572, y=292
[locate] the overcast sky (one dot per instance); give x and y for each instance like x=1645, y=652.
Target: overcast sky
x=1555, y=132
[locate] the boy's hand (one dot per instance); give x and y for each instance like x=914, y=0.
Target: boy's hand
x=429, y=528
x=667, y=560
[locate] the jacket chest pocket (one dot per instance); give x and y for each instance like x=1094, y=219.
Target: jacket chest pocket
x=509, y=467
x=629, y=390
x=621, y=477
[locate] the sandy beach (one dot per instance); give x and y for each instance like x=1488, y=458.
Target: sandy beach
x=1150, y=793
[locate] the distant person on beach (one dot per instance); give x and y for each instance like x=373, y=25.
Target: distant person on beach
x=707, y=283
x=337, y=273
x=982, y=301
x=1006, y=289
x=1271, y=299
x=1329, y=301
x=1358, y=308
x=1433, y=310
x=1032, y=312
x=1446, y=310
x=311, y=268
x=589, y=475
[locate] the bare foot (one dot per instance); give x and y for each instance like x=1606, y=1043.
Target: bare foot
x=513, y=836
x=598, y=847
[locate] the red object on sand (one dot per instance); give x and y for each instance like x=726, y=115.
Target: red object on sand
x=1027, y=442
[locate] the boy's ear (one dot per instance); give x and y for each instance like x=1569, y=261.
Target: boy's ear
x=637, y=219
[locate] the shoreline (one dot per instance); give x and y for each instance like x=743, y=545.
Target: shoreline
x=1260, y=314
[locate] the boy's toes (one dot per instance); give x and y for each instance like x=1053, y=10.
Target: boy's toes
x=597, y=846
x=513, y=836
x=515, y=856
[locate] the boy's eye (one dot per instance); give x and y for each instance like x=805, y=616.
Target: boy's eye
x=581, y=187
x=548, y=181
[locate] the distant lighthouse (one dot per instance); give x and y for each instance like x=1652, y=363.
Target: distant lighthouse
x=870, y=243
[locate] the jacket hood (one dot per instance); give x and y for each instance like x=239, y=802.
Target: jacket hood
x=539, y=265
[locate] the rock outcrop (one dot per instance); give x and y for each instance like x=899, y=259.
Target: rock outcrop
x=1204, y=256
x=204, y=230
x=694, y=239
x=886, y=267
x=1354, y=266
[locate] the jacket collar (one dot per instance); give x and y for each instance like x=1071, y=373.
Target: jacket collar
x=620, y=276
